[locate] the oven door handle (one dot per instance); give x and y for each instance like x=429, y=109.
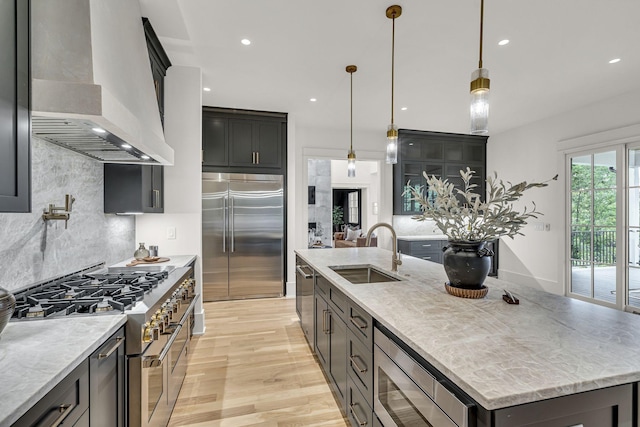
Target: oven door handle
x=189, y=309
x=154, y=361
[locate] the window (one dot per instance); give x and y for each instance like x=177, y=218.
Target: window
x=353, y=208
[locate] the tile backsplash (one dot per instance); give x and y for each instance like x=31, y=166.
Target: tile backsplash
x=406, y=226
x=32, y=250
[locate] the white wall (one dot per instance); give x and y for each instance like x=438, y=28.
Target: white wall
x=531, y=153
x=183, y=180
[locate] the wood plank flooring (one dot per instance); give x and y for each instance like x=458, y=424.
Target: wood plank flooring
x=253, y=367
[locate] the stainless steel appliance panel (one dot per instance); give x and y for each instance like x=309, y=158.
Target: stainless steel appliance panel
x=215, y=240
x=243, y=235
x=255, y=261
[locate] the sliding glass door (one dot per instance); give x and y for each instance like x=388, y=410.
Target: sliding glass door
x=594, y=245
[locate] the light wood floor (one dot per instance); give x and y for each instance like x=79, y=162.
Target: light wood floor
x=253, y=367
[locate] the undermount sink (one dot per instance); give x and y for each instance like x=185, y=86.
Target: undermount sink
x=364, y=274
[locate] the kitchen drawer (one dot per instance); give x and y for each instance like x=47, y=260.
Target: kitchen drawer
x=69, y=400
x=360, y=366
x=361, y=323
x=336, y=298
x=358, y=410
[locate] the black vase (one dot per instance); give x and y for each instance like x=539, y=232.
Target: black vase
x=466, y=264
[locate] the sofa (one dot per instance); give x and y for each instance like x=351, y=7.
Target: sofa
x=340, y=242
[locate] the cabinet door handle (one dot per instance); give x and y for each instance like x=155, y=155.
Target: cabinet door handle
x=358, y=322
x=65, y=410
x=119, y=341
x=156, y=199
x=353, y=357
x=353, y=412
x=257, y=157
x=253, y=157
x=324, y=321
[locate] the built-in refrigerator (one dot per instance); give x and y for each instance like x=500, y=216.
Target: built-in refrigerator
x=242, y=236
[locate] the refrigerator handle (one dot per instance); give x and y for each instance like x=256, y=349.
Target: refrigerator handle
x=224, y=224
x=231, y=220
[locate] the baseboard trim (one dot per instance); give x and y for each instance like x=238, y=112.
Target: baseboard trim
x=291, y=289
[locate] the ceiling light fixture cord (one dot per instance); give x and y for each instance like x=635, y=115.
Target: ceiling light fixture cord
x=481, y=28
x=351, y=76
x=393, y=54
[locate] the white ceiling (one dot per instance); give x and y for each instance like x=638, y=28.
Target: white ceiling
x=557, y=59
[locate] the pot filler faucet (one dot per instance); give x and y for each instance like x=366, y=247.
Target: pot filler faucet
x=60, y=213
x=395, y=257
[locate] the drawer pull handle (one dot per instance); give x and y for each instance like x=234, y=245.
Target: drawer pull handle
x=353, y=412
x=358, y=323
x=355, y=364
x=119, y=341
x=65, y=410
x=426, y=257
x=426, y=246
x=299, y=269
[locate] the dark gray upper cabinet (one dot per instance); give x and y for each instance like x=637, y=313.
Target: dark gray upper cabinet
x=159, y=63
x=439, y=154
x=15, y=125
x=243, y=141
x=133, y=188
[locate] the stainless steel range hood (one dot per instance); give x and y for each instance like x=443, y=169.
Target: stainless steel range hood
x=92, y=87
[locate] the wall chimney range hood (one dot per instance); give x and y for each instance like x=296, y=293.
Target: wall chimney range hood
x=92, y=87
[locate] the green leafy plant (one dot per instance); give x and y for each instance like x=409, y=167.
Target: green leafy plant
x=338, y=215
x=462, y=216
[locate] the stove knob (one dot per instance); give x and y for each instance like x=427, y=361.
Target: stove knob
x=155, y=330
x=147, y=335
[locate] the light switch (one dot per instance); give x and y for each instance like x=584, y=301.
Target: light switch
x=171, y=233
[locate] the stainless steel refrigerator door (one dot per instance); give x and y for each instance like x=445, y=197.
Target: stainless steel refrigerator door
x=215, y=240
x=256, y=231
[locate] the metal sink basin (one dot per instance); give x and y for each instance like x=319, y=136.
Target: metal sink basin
x=364, y=274
x=143, y=268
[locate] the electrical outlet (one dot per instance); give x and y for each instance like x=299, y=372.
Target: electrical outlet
x=171, y=233
x=547, y=227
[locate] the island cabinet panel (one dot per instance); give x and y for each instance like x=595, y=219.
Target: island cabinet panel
x=439, y=154
x=344, y=346
x=243, y=141
x=107, y=383
x=608, y=407
x=15, y=129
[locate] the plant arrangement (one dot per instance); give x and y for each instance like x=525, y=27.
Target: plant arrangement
x=338, y=216
x=462, y=216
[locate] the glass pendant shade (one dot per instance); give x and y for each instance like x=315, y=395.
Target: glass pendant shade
x=351, y=167
x=479, y=110
x=392, y=145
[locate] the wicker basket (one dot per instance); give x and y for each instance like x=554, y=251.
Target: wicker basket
x=465, y=292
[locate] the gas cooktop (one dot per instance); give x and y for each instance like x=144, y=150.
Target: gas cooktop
x=90, y=293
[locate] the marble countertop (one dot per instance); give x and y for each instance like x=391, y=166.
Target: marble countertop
x=500, y=354
x=37, y=354
x=424, y=237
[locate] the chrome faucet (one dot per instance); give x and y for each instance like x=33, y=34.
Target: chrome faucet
x=395, y=258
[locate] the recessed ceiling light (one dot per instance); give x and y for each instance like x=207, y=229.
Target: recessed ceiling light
x=144, y=157
x=613, y=61
x=99, y=130
x=312, y=99
x=503, y=42
x=206, y=89
x=126, y=146
x=245, y=42
x=404, y=108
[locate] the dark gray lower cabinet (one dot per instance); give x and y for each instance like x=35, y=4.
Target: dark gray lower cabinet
x=358, y=410
x=331, y=345
x=66, y=404
x=107, y=383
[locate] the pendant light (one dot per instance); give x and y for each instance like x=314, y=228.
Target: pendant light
x=351, y=156
x=392, y=13
x=479, y=111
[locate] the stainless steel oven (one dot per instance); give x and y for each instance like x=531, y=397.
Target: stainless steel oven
x=156, y=374
x=406, y=394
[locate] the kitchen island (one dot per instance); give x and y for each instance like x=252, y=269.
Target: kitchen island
x=500, y=355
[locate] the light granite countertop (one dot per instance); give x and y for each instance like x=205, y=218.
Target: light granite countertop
x=423, y=237
x=35, y=355
x=175, y=260
x=501, y=355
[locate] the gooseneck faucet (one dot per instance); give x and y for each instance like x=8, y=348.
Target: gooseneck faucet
x=395, y=258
